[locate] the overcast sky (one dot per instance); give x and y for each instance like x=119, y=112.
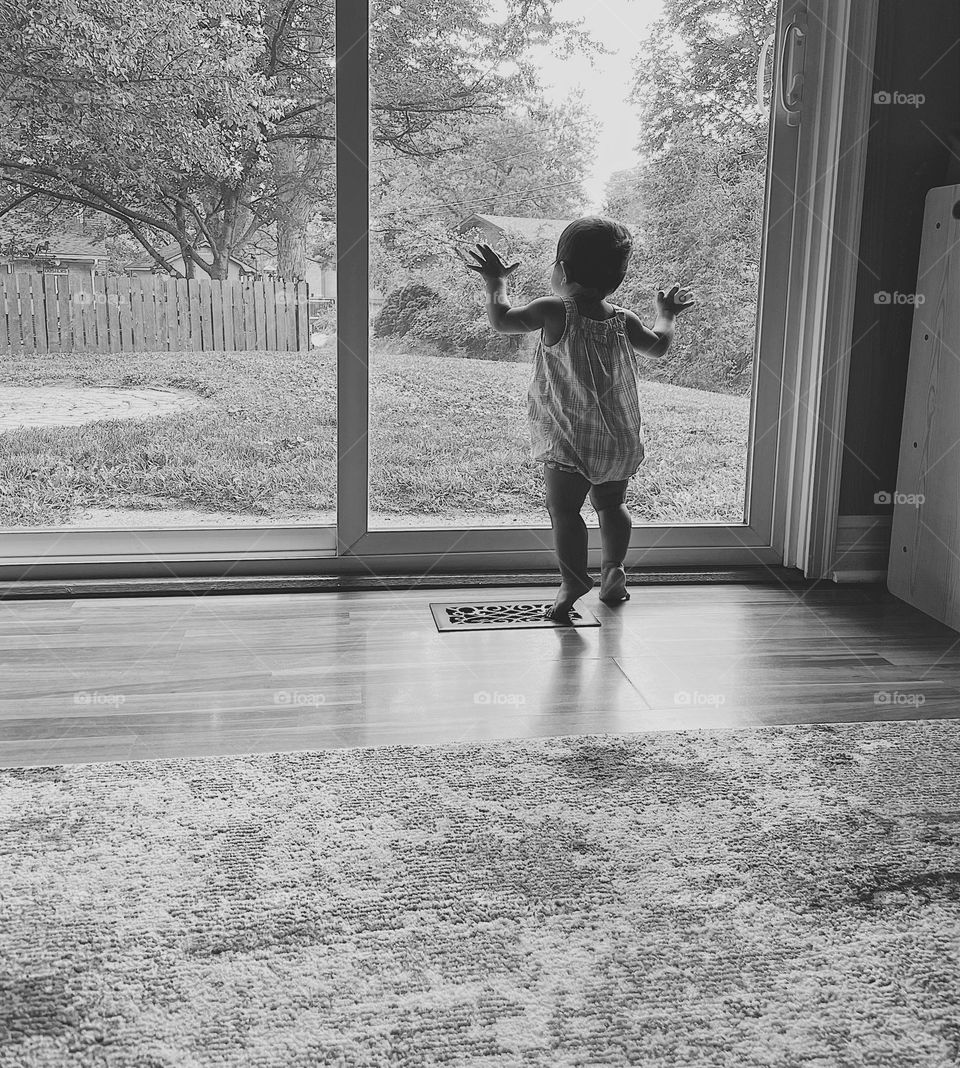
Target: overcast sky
x=619, y=24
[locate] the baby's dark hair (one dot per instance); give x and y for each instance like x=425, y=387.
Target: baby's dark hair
x=596, y=252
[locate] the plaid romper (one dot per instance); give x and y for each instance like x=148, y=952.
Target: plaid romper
x=583, y=408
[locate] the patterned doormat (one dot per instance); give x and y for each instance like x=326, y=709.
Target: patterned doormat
x=775, y=896
x=499, y=615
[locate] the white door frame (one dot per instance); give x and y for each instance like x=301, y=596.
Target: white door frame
x=824, y=265
x=804, y=326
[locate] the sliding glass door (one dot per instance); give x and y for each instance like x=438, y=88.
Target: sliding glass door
x=508, y=128
x=167, y=282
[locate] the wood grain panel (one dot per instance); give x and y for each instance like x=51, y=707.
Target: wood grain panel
x=924, y=562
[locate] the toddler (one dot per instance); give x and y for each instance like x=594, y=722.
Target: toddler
x=583, y=407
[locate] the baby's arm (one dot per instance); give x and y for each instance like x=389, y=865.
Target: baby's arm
x=544, y=311
x=528, y=317
x=653, y=342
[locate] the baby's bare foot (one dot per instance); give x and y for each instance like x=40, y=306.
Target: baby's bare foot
x=613, y=584
x=567, y=595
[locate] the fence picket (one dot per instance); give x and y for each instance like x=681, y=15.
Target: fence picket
x=65, y=311
x=205, y=288
x=241, y=303
x=216, y=304
x=39, y=316
x=89, y=315
x=49, y=298
x=125, y=336
x=196, y=321
x=160, y=314
x=112, y=308
x=303, y=316
x=100, y=312
x=136, y=313
x=171, y=334
x=26, y=313
x=227, y=296
x=183, y=315
x=270, y=313
x=259, y=331
x=4, y=337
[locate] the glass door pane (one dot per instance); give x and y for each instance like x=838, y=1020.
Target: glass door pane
x=183, y=375
x=490, y=125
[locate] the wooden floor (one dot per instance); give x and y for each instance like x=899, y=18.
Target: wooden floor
x=93, y=680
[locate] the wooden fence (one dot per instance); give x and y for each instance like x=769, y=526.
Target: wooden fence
x=150, y=313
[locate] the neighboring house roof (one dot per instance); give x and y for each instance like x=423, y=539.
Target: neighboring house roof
x=146, y=261
x=66, y=246
x=531, y=229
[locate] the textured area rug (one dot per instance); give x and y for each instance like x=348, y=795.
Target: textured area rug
x=776, y=896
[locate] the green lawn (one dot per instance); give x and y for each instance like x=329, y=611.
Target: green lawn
x=448, y=440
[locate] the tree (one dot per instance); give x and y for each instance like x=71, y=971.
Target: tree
x=700, y=67
x=138, y=111
x=529, y=163
x=697, y=195
x=211, y=122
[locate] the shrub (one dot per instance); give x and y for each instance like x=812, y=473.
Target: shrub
x=402, y=307
x=443, y=309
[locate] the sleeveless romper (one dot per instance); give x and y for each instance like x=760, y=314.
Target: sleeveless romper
x=583, y=407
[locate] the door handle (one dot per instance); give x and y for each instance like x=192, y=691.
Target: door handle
x=791, y=70
x=762, y=70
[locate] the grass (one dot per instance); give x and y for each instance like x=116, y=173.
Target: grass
x=448, y=440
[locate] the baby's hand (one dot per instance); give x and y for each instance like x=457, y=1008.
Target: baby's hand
x=675, y=301
x=488, y=264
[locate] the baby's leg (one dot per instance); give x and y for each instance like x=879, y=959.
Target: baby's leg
x=615, y=527
x=566, y=492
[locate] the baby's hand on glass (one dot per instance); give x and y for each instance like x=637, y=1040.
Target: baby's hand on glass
x=488, y=264
x=674, y=301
